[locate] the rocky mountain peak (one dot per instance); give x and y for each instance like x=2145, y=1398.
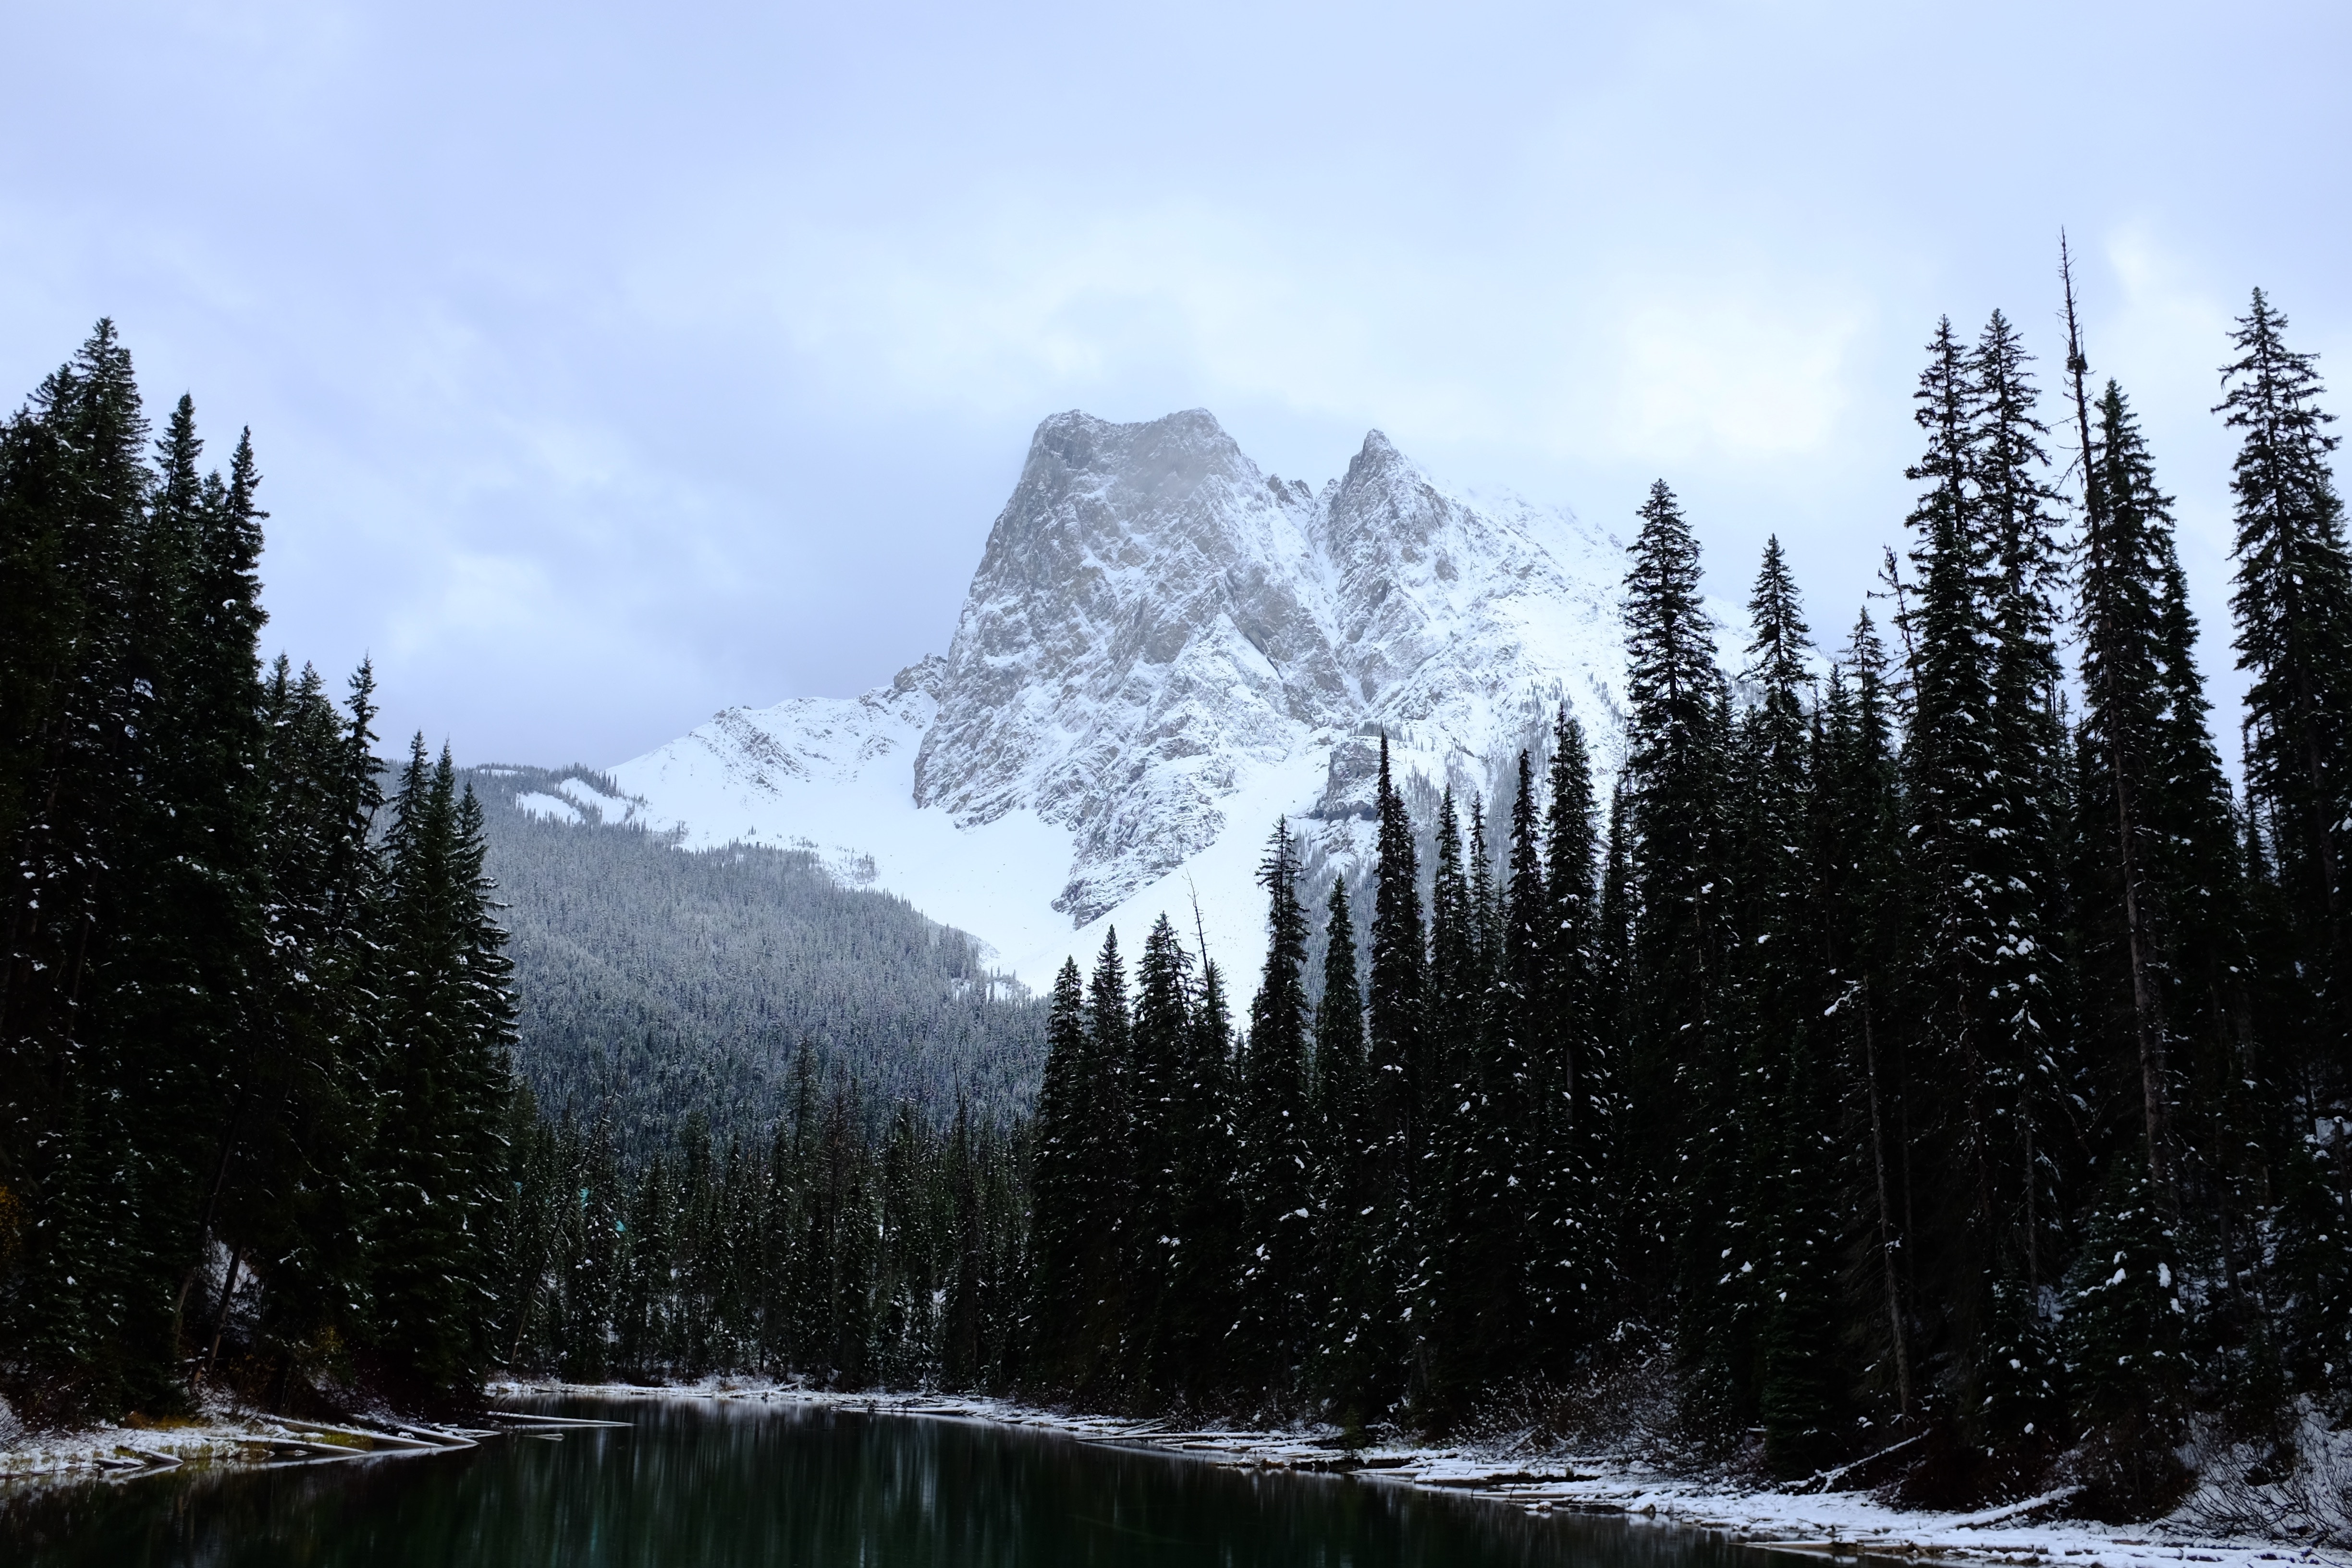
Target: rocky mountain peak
x=1163, y=648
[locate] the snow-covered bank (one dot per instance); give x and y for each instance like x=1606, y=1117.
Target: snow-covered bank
x=222, y=1435
x=1842, y=1524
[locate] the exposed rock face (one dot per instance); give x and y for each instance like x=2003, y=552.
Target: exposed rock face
x=1163, y=648
x=1149, y=613
x=1153, y=614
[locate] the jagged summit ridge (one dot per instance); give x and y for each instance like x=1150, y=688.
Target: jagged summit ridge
x=1163, y=647
x=1149, y=615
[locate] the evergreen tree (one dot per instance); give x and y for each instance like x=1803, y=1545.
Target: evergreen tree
x=1673, y=779
x=1861, y=916
x=2293, y=614
x=1619, y=1164
x=1058, y=1236
x=1483, y=1308
x=1279, y=1251
x=2123, y=1344
x=1106, y=1150
x=1397, y=1020
x=1162, y=1031
x=1353, y=1330
x=1570, y=1260
x=1786, y=1206
x=1982, y=768
x=82, y=577
x=2127, y=523
x=441, y=1082
x=1204, y=1265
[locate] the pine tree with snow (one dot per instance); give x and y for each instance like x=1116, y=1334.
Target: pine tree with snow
x=1571, y=1266
x=1353, y=1336
x=1204, y=1270
x=1162, y=1029
x=1862, y=915
x=1783, y=1208
x=1987, y=781
x=425, y=1275
x=1625, y=1225
x=1278, y=1249
x=1106, y=1155
x=2127, y=1374
x=2292, y=609
x=81, y=591
x=1398, y=1022
x=2124, y=894
x=1058, y=1237
x=1484, y=1311
x=1673, y=990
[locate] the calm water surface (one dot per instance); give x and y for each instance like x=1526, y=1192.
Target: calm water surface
x=694, y=1484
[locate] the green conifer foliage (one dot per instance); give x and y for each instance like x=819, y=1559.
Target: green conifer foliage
x=1859, y=916
x=1106, y=1155
x=1572, y=1269
x=1483, y=1305
x=2293, y=614
x=1353, y=1338
x=1678, y=1053
x=1398, y=1023
x=1205, y=1265
x=1278, y=1253
x=2128, y=524
x=1162, y=1029
x=1985, y=777
x=2123, y=1340
x=1058, y=1237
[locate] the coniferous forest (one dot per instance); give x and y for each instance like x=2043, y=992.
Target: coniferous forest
x=656, y=981
x=1919, y=1063
x=254, y=1018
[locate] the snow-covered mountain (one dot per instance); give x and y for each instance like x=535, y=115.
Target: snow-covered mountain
x=1165, y=649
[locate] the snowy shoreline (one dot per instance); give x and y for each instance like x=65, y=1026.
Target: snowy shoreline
x=1839, y=1525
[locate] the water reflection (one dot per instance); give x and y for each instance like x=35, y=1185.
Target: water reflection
x=700, y=1485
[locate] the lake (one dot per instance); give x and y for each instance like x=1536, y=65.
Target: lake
x=710, y=1484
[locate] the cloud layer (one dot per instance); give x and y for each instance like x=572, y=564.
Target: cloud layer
x=611, y=363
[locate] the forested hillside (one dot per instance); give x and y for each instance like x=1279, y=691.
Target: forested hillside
x=657, y=983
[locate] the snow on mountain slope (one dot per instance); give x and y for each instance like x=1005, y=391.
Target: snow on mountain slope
x=1164, y=649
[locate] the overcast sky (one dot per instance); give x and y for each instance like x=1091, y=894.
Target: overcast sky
x=611, y=365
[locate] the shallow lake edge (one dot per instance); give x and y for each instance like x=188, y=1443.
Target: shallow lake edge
x=1844, y=1526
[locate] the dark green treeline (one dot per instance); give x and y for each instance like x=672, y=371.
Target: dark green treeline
x=254, y=1016
x=861, y=1246
x=1930, y=1056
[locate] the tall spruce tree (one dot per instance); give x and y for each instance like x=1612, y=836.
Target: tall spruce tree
x=1058, y=1241
x=1987, y=779
x=443, y=1080
x=1105, y=1142
x=1352, y=1336
x=2293, y=608
x=1672, y=992
x=1396, y=1025
x=1204, y=1268
x=1279, y=1254
x=1570, y=1260
x=2124, y=518
x=1162, y=1029
x=1484, y=1311
x=1862, y=917
x=1789, y=1209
